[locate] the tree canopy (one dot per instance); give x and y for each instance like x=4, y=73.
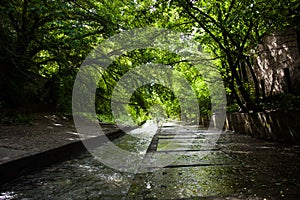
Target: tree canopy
x=43, y=43
x=46, y=41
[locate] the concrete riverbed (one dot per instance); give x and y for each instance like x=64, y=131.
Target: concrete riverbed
x=203, y=164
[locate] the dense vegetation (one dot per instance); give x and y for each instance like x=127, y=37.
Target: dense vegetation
x=44, y=42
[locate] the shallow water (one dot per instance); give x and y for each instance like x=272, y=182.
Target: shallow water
x=237, y=167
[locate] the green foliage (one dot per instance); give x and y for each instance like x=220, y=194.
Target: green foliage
x=151, y=101
x=229, y=31
x=105, y=117
x=281, y=102
x=44, y=39
x=43, y=43
x=15, y=119
x=234, y=107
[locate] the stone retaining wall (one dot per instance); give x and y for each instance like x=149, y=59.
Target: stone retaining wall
x=278, y=63
x=282, y=126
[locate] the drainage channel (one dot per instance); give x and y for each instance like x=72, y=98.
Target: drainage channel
x=236, y=168
x=82, y=177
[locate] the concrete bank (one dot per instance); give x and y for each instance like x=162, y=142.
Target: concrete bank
x=48, y=140
x=281, y=126
x=15, y=168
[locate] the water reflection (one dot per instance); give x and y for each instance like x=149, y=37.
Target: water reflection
x=267, y=170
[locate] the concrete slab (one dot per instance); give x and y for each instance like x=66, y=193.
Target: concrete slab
x=48, y=139
x=239, y=167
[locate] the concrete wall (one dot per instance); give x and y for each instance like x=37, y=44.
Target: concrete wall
x=282, y=126
x=277, y=54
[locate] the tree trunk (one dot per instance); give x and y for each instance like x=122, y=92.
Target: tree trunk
x=249, y=105
x=255, y=80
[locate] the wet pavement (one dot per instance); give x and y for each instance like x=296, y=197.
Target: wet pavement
x=201, y=164
x=45, y=132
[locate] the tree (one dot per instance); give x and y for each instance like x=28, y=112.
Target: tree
x=151, y=95
x=229, y=30
x=46, y=41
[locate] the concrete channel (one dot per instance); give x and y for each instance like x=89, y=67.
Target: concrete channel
x=201, y=164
